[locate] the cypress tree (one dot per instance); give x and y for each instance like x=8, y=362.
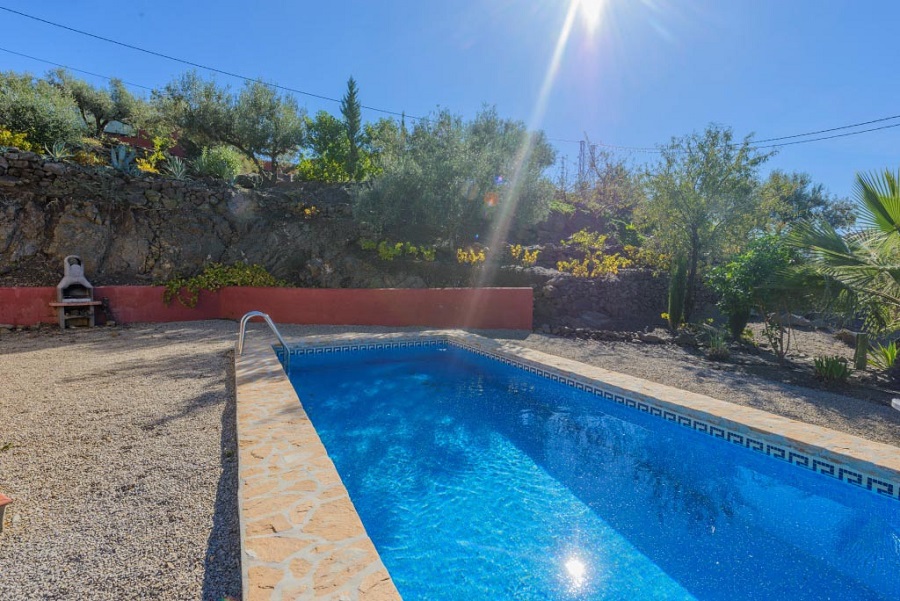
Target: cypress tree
x=350, y=109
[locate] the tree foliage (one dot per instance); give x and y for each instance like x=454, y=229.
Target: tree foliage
x=792, y=197
x=39, y=110
x=325, y=155
x=351, y=111
x=456, y=180
x=702, y=199
x=267, y=124
x=258, y=121
x=199, y=109
x=98, y=107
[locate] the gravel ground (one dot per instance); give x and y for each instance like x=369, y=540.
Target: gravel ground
x=118, y=447
x=122, y=465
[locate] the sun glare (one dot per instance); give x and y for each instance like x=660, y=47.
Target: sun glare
x=576, y=572
x=591, y=11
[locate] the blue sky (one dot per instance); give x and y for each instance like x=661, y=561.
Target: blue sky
x=650, y=70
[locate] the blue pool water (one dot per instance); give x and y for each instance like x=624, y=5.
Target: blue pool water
x=479, y=481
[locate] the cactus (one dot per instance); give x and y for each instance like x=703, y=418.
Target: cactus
x=677, y=292
x=122, y=159
x=861, y=356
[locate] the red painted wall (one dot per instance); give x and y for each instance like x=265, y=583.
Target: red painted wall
x=26, y=306
x=500, y=308
x=130, y=304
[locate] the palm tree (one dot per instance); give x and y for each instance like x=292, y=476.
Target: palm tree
x=859, y=271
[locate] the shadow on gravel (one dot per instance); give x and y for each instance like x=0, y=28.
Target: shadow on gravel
x=222, y=564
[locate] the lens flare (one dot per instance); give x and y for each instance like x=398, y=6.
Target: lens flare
x=508, y=202
x=592, y=12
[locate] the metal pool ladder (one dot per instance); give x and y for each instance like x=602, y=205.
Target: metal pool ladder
x=243, y=331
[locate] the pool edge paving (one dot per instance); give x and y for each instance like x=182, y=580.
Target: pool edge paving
x=301, y=536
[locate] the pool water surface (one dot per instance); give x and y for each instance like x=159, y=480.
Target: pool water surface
x=477, y=480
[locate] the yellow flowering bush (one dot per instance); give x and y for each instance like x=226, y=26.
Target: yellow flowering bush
x=145, y=166
x=523, y=255
x=594, y=265
x=20, y=141
x=470, y=256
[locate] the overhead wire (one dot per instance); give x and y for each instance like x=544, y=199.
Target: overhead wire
x=106, y=77
x=757, y=144
x=196, y=64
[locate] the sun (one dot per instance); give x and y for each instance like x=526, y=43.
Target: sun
x=591, y=12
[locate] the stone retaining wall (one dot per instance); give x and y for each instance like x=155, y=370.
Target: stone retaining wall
x=150, y=228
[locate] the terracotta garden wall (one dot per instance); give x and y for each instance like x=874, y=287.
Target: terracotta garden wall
x=486, y=308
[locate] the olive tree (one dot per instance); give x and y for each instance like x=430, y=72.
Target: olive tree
x=702, y=199
x=98, y=107
x=39, y=110
x=453, y=180
x=258, y=121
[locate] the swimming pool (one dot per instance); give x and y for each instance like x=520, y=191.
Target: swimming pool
x=479, y=480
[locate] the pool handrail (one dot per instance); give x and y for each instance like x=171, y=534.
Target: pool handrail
x=242, y=331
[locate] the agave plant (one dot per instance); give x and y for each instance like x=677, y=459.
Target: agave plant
x=122, y=159
x=860, y=270
x=176, y=168
x=58, y=152
x=884, y=356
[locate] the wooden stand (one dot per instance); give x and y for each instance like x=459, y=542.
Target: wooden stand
x=76, y=310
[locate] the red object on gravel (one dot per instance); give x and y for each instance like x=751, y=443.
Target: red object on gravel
x=4, y=501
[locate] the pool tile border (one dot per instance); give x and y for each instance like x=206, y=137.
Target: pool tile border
x=855, y=461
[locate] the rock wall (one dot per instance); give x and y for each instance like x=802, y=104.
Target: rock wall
x=633, y=298
x=133, y=229
x=145, y=228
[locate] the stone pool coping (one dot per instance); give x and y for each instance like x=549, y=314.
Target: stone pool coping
x=301, y=536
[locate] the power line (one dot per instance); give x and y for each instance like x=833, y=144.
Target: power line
x=756, y=144
x=852, y=133
x=643, y=149
x=106, y=77
x=194, y=64
x=824, y=131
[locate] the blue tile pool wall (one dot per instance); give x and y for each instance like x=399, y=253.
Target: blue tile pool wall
x=761, y=442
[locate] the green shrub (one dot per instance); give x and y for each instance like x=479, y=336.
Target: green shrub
x=564, y=208
x=39, y=110
x=586, y=240
x=717, y=347
x=740, y=284
x=216, y=276
x=883, y=356
x=220, y=162
x=832, y=370
x=388, y=251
